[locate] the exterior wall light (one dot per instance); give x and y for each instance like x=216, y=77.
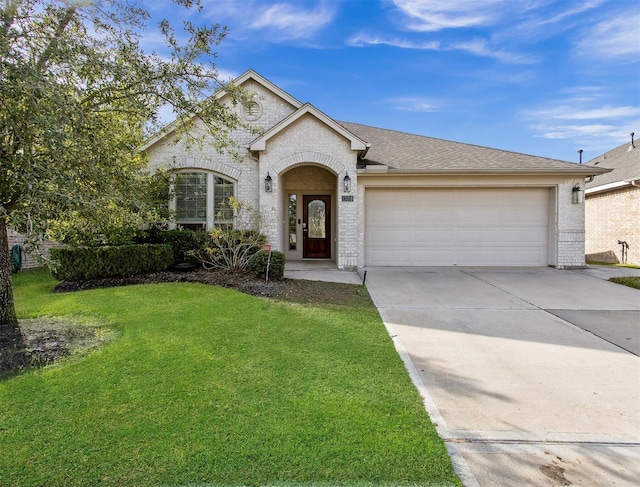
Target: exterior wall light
x=268, y=184
x=577, y=194
x=347, y=183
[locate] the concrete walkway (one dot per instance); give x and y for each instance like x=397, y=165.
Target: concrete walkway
x=319, y=270
x=531, y=375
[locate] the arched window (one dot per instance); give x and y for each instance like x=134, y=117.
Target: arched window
x=201, y=200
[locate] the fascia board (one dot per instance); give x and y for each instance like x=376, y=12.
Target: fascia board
x=608, y=187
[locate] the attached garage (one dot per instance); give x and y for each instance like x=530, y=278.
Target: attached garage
x=457, y=226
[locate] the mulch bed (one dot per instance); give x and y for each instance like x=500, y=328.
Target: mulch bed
x=241, y=281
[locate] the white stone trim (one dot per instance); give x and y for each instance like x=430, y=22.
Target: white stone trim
x=308, y=157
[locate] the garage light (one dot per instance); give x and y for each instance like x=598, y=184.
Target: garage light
x=347, y=183
x=577, y=194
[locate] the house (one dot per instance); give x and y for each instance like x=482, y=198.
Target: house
x=612, y=207
x=364, y=196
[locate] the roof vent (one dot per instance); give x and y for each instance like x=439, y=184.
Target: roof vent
x=632, y=145
x=580, y=152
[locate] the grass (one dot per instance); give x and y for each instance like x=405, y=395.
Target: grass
x=207, y=386
x=631, y=281
x=611, y=264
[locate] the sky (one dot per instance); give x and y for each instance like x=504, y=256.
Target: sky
x=540, y=77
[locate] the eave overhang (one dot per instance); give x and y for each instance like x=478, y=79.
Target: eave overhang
x=386, y=170
x=613, y=186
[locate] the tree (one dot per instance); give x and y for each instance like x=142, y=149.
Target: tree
x=78, y=95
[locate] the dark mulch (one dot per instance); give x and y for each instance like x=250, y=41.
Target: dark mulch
x=241, y=281
x=292, y=290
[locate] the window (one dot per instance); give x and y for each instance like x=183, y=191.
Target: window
x=293, y=217
x=191, y=197
x=223, y=190
x=202, y=200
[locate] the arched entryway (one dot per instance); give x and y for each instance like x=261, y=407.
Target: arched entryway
x=309, y=193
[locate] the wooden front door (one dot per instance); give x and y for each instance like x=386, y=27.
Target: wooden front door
x=316, y=227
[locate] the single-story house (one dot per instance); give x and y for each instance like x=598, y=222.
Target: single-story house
x=612, y=207
x=364, y=196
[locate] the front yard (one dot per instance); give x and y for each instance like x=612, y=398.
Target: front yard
x=208, y=386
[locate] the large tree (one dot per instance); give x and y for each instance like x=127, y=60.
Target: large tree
x=77, y=95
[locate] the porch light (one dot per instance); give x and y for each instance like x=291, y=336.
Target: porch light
x=577, y=194
x=268, y=184
x=347, y=183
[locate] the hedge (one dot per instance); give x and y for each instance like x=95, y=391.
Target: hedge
x=182, y=242
x=82, y=263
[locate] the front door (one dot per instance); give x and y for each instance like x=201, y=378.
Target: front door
x=316, y=227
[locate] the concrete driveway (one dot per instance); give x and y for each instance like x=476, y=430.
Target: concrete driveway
x=531, y=375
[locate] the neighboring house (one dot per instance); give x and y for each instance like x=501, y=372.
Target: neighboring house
x=612, y=208
x=363, y=196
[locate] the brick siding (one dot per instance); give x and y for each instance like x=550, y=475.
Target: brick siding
x=33, y=259
x=611, y=217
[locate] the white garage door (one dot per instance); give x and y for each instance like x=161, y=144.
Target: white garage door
x=457, y=226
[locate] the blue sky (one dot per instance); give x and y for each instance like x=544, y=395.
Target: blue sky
x=542, y=77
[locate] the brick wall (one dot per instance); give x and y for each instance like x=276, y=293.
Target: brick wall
x=610, y=217
x=32, y=259
x=570, y=226
x=309, y=142
x=203, y=155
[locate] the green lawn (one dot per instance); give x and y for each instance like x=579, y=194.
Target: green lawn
x=631, y=281
x=207, y=386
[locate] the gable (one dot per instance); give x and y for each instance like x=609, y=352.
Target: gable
x=269, y=106
x=308, y=110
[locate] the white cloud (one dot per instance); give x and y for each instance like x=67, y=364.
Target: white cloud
x=435, y=15
x=566, y=112
x=585, y=120
x=288, y=21
x=416, y=104
x=478, y=47
x=580, y=131
x=616, y=37
x=481, y=47
x=362, y=40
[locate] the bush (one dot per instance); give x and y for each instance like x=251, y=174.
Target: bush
x=230, y=249
x=183, y=242
x=82, y=263
x=274, y=260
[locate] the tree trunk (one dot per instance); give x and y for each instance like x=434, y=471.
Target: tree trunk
x=7, y=308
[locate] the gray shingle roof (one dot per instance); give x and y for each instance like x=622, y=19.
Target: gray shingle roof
x=416, y=153
x=624, y=162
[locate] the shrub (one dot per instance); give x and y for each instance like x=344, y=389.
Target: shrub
x=183, y=242
x=82, y=263
x=230, y=249
x=231, y=246
x=262, y=260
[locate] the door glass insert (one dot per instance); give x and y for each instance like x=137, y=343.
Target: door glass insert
x=317, y=215
x=293, y=217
